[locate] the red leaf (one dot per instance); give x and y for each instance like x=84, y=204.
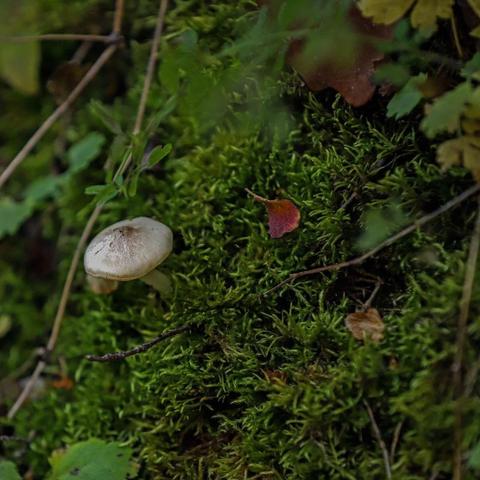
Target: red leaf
x=283, y=215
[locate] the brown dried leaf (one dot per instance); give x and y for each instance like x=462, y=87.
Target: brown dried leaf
x=352, y=81
x=365, y=325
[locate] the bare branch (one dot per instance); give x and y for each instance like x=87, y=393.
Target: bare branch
x=113, y=357
x=59, y=37
x=470, y=269
x=402, y=233
x=61, y=109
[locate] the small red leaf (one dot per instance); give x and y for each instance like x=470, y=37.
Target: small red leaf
x=283, y=215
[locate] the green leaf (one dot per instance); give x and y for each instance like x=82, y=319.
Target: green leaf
x=380, y=223
x=406, y=99
x=92, y=460
x=12, y=215
x=393, y=73
x=446, y=111
x=106, y=116
x=472, y=67
x=19, y=61
x=8, y=471
x=133, y=184
x=85, y=151
x=474, y=459
x=43, y=187
x=158, y=154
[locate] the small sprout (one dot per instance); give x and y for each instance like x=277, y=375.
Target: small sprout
x=131, y=249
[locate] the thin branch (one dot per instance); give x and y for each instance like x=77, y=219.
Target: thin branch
x=91, y=221
x=113, y=357
x=61, y=109
x=402, y=233
x=118, y=17
x=380, y=441
x=396, y=438
x=152, y=61
x=60, y=36
x=470, y=269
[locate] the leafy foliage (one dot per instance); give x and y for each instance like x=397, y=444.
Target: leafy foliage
x=8, y=471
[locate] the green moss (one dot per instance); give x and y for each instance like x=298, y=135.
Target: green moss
x=263, y=387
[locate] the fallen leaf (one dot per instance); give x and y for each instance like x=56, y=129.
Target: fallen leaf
x=283, y=215
x=63, y=383
x=463, y=150
x=353, y=79
x=365, y=325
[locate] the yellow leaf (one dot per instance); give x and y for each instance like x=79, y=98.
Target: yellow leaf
x=463, y=150
x=426, y=12
x=365, y=325
x=384, y=11
x=475, y=4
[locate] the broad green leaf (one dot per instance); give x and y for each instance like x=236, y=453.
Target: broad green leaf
x=446, y=111
x=406, y=99
x=384, y=11
x=92, y=460
x=83, y=152
x=158, y=154
x=43, y=187
x=472, y=67
x=19, y=61
x=474, y=458
x=393, y=73
x=8, y=471
x=12, y=215
x=380, y=223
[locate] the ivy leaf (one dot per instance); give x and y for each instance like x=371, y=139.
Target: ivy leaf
x=446, y=111
x=406, y=99
x=464, y=150
x=92, y=460
x=8, y=471
x=366, y=325
x=283, y=215
x=12, y=215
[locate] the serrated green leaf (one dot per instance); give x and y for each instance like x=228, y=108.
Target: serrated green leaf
x=92, y=460
x=158, y=154
x=8, y=471
x=406, y=99
x=85, y=151
x=12, y=215
x=447, y=110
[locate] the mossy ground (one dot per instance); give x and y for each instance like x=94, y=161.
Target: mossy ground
x=263, y=387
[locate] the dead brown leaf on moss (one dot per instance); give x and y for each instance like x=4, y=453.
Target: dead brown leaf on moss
x=368, y=324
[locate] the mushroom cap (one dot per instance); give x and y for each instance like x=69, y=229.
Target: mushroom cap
x=128, y=249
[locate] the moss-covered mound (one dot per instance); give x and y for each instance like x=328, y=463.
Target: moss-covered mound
x=262, y=386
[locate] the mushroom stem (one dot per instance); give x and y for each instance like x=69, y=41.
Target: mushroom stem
x=101, y=286
x=159, y=281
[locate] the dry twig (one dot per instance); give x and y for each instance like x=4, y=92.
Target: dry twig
x=380, y=441
x=93, y=217
x=470, y=268
x=402, y=233
x=113, y=357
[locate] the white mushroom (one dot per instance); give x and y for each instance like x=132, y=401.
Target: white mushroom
x=131, y=249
